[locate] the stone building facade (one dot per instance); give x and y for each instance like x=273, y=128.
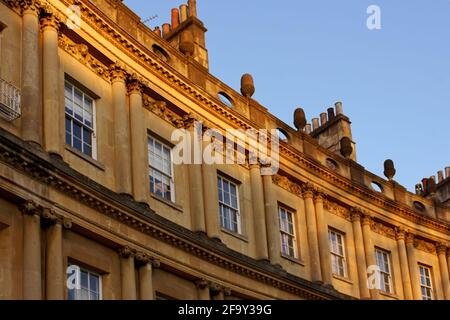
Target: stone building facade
x=90, y=98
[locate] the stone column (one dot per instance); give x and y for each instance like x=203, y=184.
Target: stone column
x=211, y=197
x=32, y=273
x=311, y=224
x=139, y=148
x=324, y=245
x=127, y=273
x=146, y=265
x=448, y=260
x=370, y=251
x=121, y=131
x=406, y=278
x=51, y=93
x=272, y=221
x=203, y=289
x=441, y=250
x=412, y=262
x=360, y=254
x=31, y=120
x=258, y=212
x=54, y=257
x=197, y=205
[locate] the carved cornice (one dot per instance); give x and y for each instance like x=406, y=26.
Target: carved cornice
x=81, y=53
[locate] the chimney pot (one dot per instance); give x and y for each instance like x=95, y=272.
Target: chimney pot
x=183, y=12
x=157, y=31
x=425, y=185
x=323, y=118
x=175, y=18
x=331, y=114
x=308, y=128
x=447, y=172
x=339, y=108
x=315, y=123
x=192, y=8
x=166, y=29
x=440, y=176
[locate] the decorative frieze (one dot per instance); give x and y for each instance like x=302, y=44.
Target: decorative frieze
x=81, y=53
x=285, y=183
x=338, y=210
x=426, y=246
x=160, y=109
x=383, y=230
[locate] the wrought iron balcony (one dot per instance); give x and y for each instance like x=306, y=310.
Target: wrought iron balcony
x=9, y=101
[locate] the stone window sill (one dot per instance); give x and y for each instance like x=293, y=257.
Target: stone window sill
x=86, y=158
x=294, y=260
x=335, y=276
x=390, y=295
x=168, y=203
x=236, y=235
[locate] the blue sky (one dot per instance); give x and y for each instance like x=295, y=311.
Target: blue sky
x=394, y=82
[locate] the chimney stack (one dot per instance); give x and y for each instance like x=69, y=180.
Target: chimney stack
x=315, y=123
x=447, y=172
x=308, y=128
x=440, y=176
x=331, y=114
x=339, y=108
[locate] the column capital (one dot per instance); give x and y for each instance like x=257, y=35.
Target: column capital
x=215, y=288
x=410, y=238
x=441, y=248
x=49, y=216
x=50, y=20
x=30, y=208
x=143, y=258
x=400, y=233
x=126, y=252
x=356, y=214
x=308, y=190
x=367, y=220
x=118, y=72
x=319, y=196
x=33, y=6
x=135, y=86
x=201, y=284
x=67, y=223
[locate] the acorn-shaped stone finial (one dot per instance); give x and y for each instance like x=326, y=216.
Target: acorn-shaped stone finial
x=389, y=169
x=247, y=85
x=346, y=147
x=187, y=43
x=299, y=119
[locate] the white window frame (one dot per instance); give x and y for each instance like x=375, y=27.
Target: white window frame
x=339, y=256
x=222, y=203
x=151, y=167
x=100, y=286
x=286, y=232
x=383, y=272
x=94, y=118
x=424, y=285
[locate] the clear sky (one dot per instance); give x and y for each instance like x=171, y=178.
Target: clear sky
x=394, y=82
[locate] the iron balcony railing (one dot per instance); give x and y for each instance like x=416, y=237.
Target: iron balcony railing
x=9, y=101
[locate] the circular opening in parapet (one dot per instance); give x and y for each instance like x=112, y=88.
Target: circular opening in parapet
x=282, y=135
x=419, y=206
x=331, y=164
x=160, y=52
x=376, y=186
x=225, y=99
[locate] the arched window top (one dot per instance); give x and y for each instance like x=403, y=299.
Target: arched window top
x=226, y=99
x=161, y=53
